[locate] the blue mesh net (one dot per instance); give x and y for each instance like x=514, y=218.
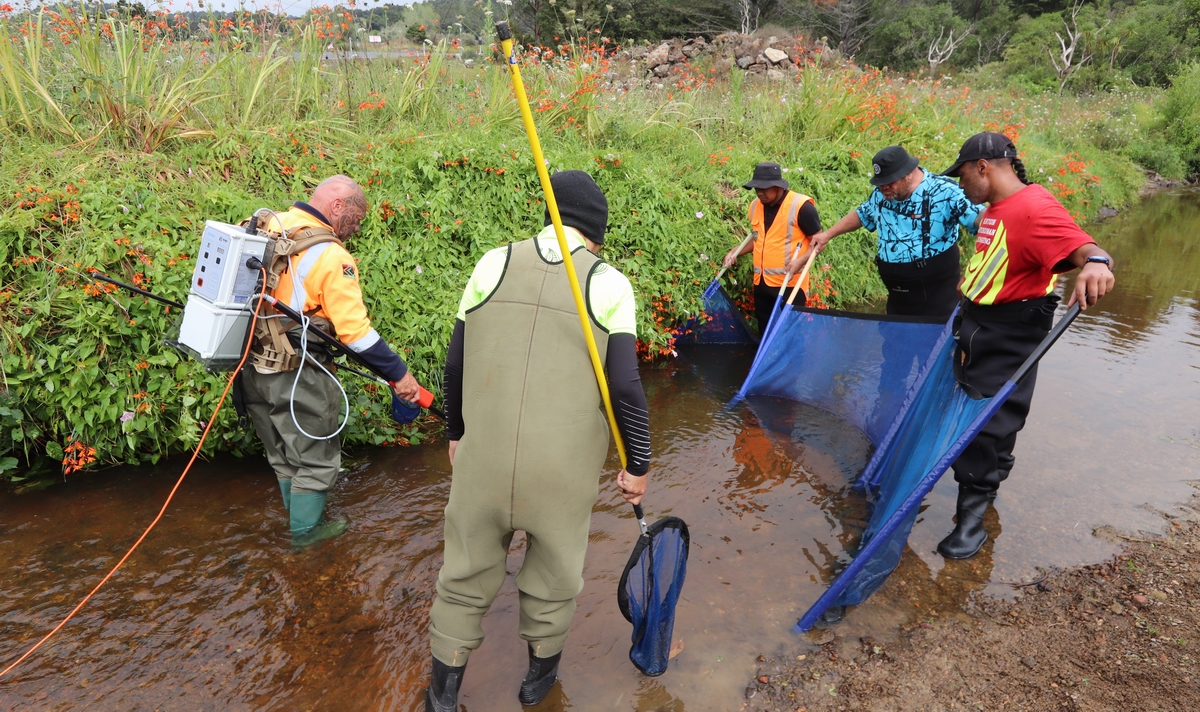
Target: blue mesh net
x=893, y=378
x=649, y=589
x=857, y=366
x=721, y=322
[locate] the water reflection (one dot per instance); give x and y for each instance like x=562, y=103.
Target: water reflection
x=216, y=610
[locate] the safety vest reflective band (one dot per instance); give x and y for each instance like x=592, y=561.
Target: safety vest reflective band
x=773, y=247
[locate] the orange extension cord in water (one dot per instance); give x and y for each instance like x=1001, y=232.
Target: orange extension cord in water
x=195, y=454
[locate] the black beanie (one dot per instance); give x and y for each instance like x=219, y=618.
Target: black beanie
x=581, y=204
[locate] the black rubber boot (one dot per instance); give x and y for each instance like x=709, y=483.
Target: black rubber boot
x=442, y=693
x=543, y=672
x=968, y=535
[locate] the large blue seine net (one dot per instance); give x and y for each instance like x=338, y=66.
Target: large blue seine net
x=893, y=378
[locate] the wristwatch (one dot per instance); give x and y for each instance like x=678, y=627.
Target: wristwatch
x=1106, y=261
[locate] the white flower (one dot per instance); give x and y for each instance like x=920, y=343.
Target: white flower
x=1041, y=171
x=703, y=256
x=124, y=207
x=674, y=353
x=608, y=7
x=801, y=169
x=1050, y=179
x=784, y=170
x=700, y=215
x=127, y=416
x=731, y=279
x=419, y=270
x=546, y=161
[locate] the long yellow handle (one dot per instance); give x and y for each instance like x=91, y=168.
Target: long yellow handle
x=506, y=44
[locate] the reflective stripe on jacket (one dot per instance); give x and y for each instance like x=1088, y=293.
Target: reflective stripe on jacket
x=773, y=247
x=322, y=281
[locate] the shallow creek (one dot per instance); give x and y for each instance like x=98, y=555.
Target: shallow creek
x=216, y=611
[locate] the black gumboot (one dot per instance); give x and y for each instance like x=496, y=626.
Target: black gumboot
x=442, y=693
x=968, y=535
x=543, y=672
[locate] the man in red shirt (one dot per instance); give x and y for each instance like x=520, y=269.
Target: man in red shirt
x=1026, y=239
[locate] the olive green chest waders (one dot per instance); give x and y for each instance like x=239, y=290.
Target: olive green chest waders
x=530, y=458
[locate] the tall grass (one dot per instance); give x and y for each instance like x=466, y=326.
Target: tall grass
x=119, y=138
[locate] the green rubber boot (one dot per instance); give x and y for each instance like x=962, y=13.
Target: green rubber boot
x=285, y=487
x=307, y=524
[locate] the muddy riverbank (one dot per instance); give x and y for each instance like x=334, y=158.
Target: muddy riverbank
x=1120, y=635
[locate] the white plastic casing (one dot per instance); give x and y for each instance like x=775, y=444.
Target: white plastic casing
x=221, y=276
x=214, y=336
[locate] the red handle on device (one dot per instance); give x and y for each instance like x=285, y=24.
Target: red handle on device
x=424, y=398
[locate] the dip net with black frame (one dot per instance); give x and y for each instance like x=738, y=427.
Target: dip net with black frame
x=649, y=589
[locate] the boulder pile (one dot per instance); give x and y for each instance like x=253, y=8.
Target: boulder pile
x=659, y=60
x=773, y=57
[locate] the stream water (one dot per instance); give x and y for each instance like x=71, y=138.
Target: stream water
x=215, y=611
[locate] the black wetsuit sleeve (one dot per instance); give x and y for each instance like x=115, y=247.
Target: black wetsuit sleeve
x=384, y=361
x=808, y=220
x=452, y=383
x=629, y=401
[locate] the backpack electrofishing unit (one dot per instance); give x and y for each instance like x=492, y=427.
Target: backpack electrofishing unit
x=226, y=284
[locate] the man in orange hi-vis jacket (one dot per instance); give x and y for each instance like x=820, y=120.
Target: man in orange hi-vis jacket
x=296, y=410
x=780, y=219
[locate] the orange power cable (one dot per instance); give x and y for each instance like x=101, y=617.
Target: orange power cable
x=195, y=454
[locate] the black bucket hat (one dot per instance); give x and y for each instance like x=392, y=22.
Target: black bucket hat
x=891, y=164
x=985, y=145
x=767, y=175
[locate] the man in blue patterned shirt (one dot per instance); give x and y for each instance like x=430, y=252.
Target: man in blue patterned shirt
x=917, y=215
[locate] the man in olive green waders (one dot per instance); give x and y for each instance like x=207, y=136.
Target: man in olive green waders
x=296, y=409
x=528, y=437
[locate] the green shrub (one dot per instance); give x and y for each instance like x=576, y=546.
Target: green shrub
x=1181, y=116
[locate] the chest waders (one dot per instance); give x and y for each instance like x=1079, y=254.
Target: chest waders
x=305, y=467
x=529, y=460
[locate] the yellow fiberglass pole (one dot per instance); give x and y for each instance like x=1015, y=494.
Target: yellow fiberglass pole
x=506, y=43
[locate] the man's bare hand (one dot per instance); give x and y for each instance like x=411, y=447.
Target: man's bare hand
x=730, y=257
x=632, y=488
x=407, y=388
x=1095, y=280
x=819, y=241
x=453, y=447
x=795, y=265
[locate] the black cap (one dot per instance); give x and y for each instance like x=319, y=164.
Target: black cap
x=581, y=204
x=891, y=164
x=767, y=175
x=985, y=145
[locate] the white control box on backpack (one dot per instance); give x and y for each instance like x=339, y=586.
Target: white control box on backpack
x=216, y=318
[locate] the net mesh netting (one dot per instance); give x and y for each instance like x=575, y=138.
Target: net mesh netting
x=721, y=322
x=650, y=588
x=892, y=378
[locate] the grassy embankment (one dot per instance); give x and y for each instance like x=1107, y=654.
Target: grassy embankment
x=117, y=144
